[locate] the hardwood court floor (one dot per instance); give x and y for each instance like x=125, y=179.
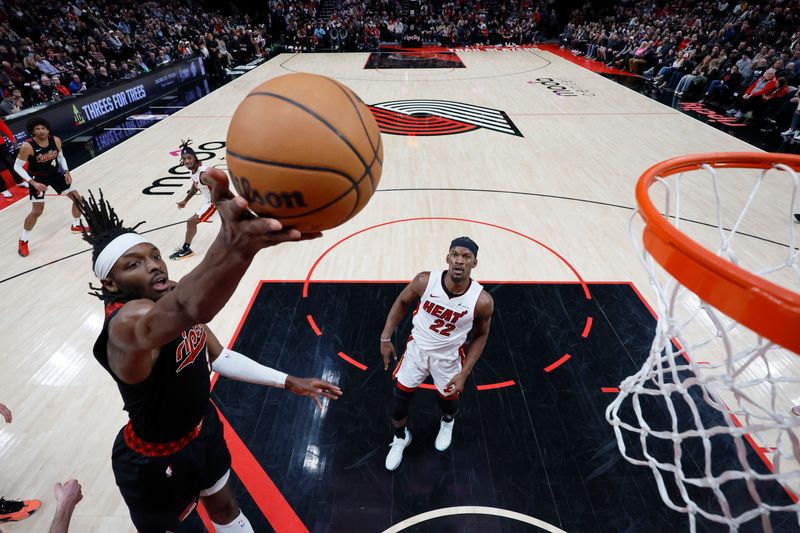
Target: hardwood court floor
x=566, y=182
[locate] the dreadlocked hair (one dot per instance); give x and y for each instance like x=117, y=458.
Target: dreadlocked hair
x=104, y=225
x=186, y=148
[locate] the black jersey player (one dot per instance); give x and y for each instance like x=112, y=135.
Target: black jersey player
x=46, y=168
x=157, y=348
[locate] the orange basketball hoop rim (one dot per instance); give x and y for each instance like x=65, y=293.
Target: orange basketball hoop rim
x=762, y=306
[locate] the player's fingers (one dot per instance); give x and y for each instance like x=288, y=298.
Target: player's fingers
x=329, y=387
x=310, y=236
x=260, y=226
x=330, y=395
x=234, y=206
x=220, y=191
x=274, y=237
x=328, y=390
x=319, y=403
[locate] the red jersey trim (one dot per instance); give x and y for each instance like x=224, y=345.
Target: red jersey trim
x=110, y=308
x=149, y=449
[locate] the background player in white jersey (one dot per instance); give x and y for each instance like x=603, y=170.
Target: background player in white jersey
x=200, y=182
x=451, y=305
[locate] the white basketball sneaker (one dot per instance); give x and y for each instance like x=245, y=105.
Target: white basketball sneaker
x=397, y=446
x=445, y=435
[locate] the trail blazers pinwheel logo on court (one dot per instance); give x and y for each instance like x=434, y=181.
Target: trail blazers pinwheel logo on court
x=439, y=117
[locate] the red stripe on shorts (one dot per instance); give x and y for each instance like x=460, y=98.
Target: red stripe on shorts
x=209, y=213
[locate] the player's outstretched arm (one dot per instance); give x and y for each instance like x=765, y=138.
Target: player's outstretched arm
x=410, y=294
x=236, y=366
x=192, y=191
x=142, y=326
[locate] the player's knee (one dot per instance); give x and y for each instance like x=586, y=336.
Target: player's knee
x=448, y=407
x=221, y=510
x=400, y=403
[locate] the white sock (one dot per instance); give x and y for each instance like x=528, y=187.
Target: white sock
x=24, y=236
x=240, y=524
x=76, y=222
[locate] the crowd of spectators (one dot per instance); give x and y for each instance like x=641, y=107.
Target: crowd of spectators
x=363, y=24
x=52, y=50
x=742, y=56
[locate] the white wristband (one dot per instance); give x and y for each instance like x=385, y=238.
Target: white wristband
x=241, y=368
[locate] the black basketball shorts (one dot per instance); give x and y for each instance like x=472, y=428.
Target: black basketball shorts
x=56, y=180
x=161, y=490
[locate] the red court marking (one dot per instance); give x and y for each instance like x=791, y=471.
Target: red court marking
x=498, y=385
x=609, y=389
x=265, y=494
x=455, y=219
x=588, y=64
x=313, y=325
x=201, y=511
x=639, y=294
x=352, y=361
x=258, y=484
x=587, y=328
x=397, y=123
x=18, y=193
x=598, y=114
x=564, y=358
x=246, y=312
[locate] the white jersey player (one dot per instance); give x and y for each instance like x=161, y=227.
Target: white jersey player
x=200, y=182
x=450, y=306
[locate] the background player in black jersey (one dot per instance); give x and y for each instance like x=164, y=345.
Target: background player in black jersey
x=157, y=348
x=46, y=168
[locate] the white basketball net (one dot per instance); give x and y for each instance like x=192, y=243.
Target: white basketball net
x=711, y=388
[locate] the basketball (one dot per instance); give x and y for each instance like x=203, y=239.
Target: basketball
x=304, y=149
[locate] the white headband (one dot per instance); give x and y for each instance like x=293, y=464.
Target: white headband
x=113, y=251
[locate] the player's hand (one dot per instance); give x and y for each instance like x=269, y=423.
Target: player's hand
x=5, y=412
x=246, y=233
x=68, y=494
x=68, y=177
x=181, y=204
x=41, y=187
x=455, y=386
x=313, y=388
x=387, y=351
